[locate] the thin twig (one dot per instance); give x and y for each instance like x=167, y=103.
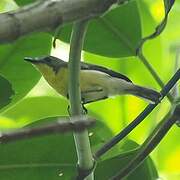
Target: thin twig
x=56, y=127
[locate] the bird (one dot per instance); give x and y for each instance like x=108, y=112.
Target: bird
x=96, y=82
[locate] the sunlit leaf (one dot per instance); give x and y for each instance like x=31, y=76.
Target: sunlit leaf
x=159, y=28
x=36, y=108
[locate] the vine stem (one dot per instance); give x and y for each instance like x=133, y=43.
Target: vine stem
x=85, y=159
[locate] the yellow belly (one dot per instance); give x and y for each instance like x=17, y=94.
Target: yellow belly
x=88, y=82
x=91, y=83
x=61, y=82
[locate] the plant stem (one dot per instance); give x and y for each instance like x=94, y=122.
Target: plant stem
x=85, y=159
x=57, y=127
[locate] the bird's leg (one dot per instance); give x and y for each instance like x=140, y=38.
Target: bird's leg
x=69, y=110
x=85, y=111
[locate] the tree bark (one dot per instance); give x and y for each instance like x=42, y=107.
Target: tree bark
x=48, y=15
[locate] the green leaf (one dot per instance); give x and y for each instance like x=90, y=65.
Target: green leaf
x=167, y=158
x=45, y=157
x=36, y=108
x=159, y=28
x=115, y=35
x=108, y=168
x=50, y=156
x=19, y=73
x=6, y=92
x=38, y=158
x=147, y=21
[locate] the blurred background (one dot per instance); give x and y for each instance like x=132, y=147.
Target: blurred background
x=162, y=53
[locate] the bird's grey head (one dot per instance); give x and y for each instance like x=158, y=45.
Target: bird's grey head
x=51, y=61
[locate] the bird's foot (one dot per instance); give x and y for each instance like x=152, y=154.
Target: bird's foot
x=85, y=111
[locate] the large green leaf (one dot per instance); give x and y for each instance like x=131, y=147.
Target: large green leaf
x=20, y=74
x=116, y=34
x=48, y=157
x=129, y=149
x=35, y=108
x=39, y=158
x=110, y=167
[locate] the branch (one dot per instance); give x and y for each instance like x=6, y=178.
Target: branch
x=57, y=127
x=138, y=119
x=48, y=15
x=83, y=148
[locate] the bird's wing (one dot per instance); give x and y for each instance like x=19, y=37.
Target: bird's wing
x=93, y=94
x=87, y=66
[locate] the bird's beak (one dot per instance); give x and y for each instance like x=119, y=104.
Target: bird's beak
x=32, y=60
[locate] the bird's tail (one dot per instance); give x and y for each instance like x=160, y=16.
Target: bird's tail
x=146, y=93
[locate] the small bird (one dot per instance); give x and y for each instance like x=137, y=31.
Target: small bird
x=96, y=82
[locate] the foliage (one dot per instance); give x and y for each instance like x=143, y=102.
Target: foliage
x=111, y=41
